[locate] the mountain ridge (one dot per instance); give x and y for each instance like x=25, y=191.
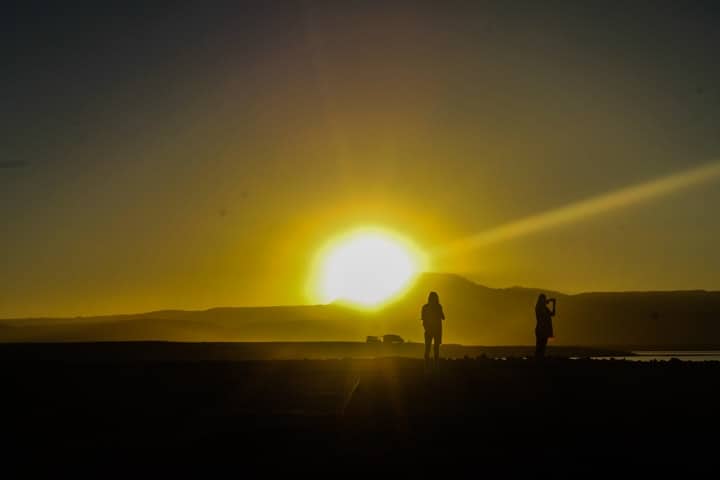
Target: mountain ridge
x=476, y=314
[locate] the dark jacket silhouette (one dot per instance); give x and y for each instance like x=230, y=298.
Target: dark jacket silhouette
x=544, y=326
x=432, y=317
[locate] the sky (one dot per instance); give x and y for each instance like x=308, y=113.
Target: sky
x=189, y=156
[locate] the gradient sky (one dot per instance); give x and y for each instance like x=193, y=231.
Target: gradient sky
x=185, y=156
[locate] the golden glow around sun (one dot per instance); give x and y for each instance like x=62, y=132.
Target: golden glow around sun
x=367, y=268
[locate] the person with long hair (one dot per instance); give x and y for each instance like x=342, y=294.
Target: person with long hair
x=432, y=318
x=544, y=326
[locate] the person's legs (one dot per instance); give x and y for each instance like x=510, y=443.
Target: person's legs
x=428, y=340
x=540, y=343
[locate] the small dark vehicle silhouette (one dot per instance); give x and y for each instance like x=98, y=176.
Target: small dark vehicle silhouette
x=390, y=338
x=372, y=339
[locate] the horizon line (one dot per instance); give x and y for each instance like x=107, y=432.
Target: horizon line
x=302, y=305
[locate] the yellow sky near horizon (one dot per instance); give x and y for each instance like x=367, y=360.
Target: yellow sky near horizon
x=202, y=158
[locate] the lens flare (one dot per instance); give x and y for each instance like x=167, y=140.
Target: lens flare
x=585, y=208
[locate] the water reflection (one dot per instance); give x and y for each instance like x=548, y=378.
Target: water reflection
x=666, y=355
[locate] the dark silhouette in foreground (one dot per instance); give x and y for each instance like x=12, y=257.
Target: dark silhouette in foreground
x=543, y=327
x=186, y=406
x=432, y=318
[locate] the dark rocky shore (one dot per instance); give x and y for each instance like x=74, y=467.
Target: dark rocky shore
x=86, y=408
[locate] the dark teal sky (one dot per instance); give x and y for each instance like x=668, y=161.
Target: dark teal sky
x=186, y=156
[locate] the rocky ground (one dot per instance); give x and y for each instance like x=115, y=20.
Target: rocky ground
x=352, y=416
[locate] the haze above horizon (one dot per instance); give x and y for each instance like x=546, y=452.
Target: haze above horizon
x=188, y=157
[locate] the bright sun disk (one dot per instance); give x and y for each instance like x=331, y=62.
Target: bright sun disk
x=367, y=268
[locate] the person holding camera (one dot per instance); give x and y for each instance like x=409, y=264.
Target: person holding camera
x=544, y=327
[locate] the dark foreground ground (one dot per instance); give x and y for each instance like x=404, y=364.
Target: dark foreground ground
x=73, y=407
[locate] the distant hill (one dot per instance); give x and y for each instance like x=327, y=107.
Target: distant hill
x=475, y=315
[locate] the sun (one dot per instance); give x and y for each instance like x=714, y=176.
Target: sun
x=367, y=267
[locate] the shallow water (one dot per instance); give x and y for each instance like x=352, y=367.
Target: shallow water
x=666, y=355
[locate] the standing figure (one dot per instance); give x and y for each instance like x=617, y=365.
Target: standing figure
x=544, y=327
x=432, y=318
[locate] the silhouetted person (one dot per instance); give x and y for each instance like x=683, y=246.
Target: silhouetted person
x=544, y=327
x=432, y=318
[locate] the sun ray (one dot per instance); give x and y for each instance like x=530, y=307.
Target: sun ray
x=585, y=208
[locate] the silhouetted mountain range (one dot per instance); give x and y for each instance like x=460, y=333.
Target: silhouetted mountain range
x=475, y=315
